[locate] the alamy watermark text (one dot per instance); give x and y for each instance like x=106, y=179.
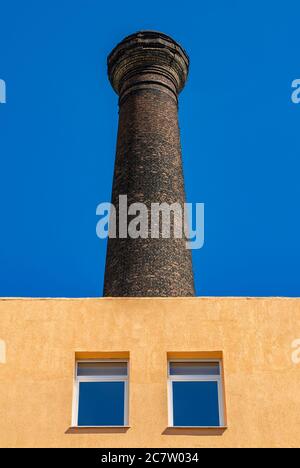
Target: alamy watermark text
x=160, y=220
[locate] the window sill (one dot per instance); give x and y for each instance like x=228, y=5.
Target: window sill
x=97, y=430
x=195, y=430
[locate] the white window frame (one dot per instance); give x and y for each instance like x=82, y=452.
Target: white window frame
x=196, y=378
x=93, y=378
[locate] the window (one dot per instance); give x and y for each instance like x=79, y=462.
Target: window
x=101, y=393
x=195, y=394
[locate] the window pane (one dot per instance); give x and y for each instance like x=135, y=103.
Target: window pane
x=195, y=404
x=101, y=404
x=102, y=368
x=194, y=368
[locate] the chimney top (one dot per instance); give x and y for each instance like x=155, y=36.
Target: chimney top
x=144, y=52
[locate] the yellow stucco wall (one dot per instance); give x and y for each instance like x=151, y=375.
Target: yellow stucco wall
x=39, y=339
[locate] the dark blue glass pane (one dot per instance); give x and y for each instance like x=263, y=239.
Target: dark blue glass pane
x=101, y=404
x=195, y=404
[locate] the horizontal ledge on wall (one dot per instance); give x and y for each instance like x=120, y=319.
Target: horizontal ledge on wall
x=195, y=431
x=97, y=429
x=101, y=355
x=195, y=354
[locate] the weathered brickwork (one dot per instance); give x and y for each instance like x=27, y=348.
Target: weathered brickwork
x=148, y=70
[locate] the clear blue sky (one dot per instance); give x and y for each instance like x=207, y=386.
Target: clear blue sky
x=240, y=138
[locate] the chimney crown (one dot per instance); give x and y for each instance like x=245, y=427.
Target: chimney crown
x=148, y=53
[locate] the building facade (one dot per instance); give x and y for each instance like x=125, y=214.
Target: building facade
x=254, y=339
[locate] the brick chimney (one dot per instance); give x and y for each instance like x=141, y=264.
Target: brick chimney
x=148, y=70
